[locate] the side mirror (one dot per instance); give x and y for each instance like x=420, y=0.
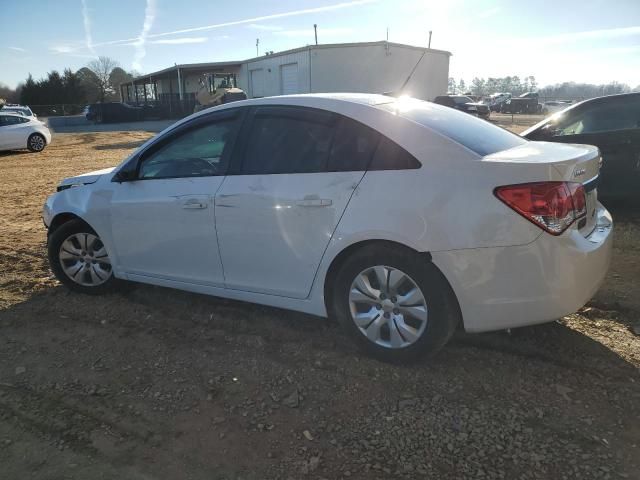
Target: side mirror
x=124, y=175
x=129, y=172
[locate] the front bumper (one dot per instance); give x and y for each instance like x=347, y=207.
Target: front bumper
x=507, y=287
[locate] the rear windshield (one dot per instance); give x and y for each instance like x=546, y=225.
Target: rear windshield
x=477, y=135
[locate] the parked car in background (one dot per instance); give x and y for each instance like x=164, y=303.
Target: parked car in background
x=19, y=109
x=612, y=124
x=464, y=104
x=113, y=112
x=18, y=132
x=495, y=100
x=525, y=103
x=554, y=106
x=399, y=217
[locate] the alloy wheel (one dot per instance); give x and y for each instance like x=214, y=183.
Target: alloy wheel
x=84, y=259
x=36, y=142
x=388, y=307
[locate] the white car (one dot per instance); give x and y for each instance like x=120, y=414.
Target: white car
x=402, y=218
x=19, y=132
x=19, y=109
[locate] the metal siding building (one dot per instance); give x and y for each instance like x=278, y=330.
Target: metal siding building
x=373, y=67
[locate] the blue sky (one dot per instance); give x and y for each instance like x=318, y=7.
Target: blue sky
x=593, y=41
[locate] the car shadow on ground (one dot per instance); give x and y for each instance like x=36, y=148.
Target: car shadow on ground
x=7, y=153
x=159, y=380
x=142, y=308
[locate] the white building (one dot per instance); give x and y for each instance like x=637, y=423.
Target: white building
x=372, y=67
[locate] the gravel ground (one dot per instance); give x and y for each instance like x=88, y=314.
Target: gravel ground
x=159, y=384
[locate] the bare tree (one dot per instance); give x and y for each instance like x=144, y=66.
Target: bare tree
x=102, y=68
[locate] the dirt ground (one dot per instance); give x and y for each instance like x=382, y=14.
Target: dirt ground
x=159, y=384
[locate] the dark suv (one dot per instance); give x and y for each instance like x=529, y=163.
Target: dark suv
x=464, y=104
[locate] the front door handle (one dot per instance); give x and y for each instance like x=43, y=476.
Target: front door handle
x=314, y=202
x=193, y=204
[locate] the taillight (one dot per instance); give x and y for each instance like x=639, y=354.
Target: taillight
x=553, y=206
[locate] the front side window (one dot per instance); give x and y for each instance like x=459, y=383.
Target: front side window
x=602, y=118
x=199, y=152
x=282, y=141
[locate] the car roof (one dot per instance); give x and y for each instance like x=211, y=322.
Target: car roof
x=11, y=114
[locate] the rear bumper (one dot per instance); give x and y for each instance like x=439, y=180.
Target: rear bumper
x=509, y=287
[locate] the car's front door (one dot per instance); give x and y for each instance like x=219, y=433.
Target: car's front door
x=162, y=221
x=281, y=202
x=614, y=127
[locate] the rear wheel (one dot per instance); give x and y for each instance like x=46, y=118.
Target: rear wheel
x=394, y=303
x=79, y=259
x=36, y=142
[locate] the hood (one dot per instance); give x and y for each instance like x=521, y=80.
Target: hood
x=86, y=178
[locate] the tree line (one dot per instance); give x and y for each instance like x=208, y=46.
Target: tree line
x=517, y=86
x=99, y=81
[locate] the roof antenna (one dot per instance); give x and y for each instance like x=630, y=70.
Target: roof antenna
x=429, y=45
x=315, y=30
x=424, y=51
x=257, y=43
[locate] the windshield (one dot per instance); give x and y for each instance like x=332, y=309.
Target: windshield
x=477, y=135
x=462, y=100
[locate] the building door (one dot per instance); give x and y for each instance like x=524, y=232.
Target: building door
x=289, y=79
x=257, y=83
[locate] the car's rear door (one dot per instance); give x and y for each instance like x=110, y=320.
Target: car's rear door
x=15, y=131
x=614, y=127
x=162, y=222
x=288, y=188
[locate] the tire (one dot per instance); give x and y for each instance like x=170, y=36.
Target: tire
x=36, y=142
x=76, y=247
x=403, y=330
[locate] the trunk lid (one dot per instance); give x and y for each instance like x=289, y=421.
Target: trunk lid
x=572, y=162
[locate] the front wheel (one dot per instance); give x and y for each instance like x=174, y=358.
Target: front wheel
x=79, y=259
x=394, y=303
x=36, y=142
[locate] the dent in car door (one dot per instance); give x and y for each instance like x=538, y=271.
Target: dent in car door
x=275, y=218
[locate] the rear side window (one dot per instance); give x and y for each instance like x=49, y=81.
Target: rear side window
x=473, y=133
x=353, y=146
x=391, y=156
x=6, y=120
x=284, y=140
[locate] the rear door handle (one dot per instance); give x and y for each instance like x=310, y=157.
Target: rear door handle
x=314, y=202
x=193, y=204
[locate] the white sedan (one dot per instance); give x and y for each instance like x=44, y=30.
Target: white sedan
x=401, y=218
x=19, y=132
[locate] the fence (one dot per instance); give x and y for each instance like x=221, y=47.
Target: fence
x=59, y=110
x=168, y=108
